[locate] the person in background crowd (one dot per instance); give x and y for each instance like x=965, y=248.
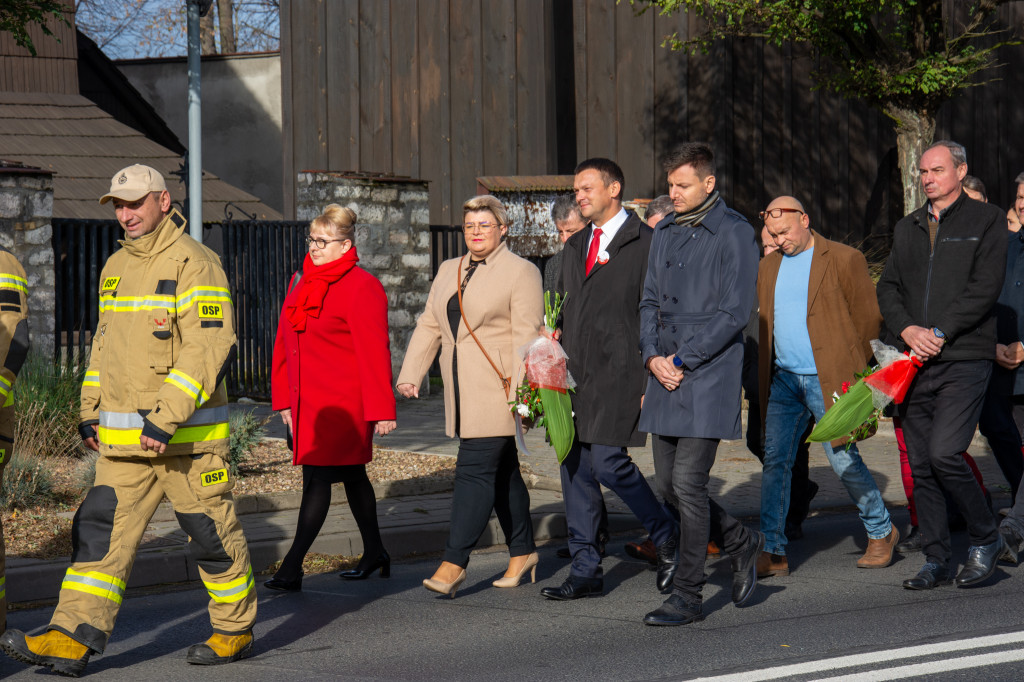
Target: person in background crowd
x=818, y=315
x=697, y=297
x=154, y=405
x=937, y=292
x=657, y=209
x=565, y=212
x=1012, y=221
x=331, y=382
x=603, y=273
x=975, y=188
x=482, y=308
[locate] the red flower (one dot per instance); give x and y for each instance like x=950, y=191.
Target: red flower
x=846, y=386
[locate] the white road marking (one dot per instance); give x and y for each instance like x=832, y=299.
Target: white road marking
x=876, y=657
x=943, y=666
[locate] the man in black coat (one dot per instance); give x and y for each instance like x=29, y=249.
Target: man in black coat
x=603, y=270
x=697, y=297
x=937, y=292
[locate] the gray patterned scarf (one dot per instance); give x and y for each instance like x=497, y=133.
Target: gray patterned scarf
x=694, y=217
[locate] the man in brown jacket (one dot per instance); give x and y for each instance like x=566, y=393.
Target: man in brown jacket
x=818, y=314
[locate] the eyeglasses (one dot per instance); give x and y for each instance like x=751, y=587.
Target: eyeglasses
x=483, y=227
x=777, y=212
x=321, y=243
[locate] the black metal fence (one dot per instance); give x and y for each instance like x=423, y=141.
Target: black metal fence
x=259, y=258
x=446, y=241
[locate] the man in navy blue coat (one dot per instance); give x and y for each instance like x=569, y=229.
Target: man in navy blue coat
x=697, y=298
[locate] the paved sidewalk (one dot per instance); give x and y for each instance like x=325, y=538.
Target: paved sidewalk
x=418, y=523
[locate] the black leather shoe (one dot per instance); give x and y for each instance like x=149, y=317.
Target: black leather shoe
x=668, y=562
x=929, y=577
x=276, y=583
x=980, y=564
x=383, y=562
x=575, y=587
x=912, y=543
x=675, y=611
x=1011, y=546
x=744, y=569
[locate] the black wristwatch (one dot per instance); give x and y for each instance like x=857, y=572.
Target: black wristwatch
x=938, y=332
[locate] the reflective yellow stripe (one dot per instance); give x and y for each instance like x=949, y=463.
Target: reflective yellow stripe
x=3, y=586
x=91, y=379
x=5, y=387
x=203, y=295
x=186, y=434
x=130, y=304
x=9, y=281
x=190, y=386
x=98, y=584
x=9, y=401
x=236, y=590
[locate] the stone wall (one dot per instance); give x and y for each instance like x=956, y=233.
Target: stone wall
x=392, y=237
x=26, y=208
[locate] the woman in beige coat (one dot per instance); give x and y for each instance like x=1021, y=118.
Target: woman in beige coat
x=503, y=304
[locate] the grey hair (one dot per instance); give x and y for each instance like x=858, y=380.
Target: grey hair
x=1020, y=179
x=957, y=150
x=660, y=206
x=565, y=205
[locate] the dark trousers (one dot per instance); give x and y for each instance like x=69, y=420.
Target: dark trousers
x=683, y=467
x=939, y=416
x=1001, y=416
x=586, y=468
x=487, y=477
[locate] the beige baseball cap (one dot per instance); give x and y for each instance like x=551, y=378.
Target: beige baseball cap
x=133, y=183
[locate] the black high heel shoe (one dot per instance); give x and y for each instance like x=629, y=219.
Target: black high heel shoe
x=383, y=562
x=276, y=583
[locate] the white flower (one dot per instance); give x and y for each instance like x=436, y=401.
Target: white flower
x=835, y=397
x=523, y=410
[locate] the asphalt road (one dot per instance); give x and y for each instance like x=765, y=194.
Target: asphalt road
x=828, y=620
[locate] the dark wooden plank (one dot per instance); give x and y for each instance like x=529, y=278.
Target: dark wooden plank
x=670, y=94
x=467, y=129
x=309, y=85
x=405, y=121
x=497, y=83
x=341, y=54
x=806, y=139
x=581, y=74
x=634, y=94
x=747, y=186
x=537, y=146
x=435, y=114
x=700, y=95
x=288, y=128
x=834, y=219
x=602, y=127
x=776, y=167
x=374, y=87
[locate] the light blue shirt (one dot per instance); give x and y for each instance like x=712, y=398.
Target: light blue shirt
x=793, y=351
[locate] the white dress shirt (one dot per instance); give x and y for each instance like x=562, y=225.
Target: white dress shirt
x=608, y=230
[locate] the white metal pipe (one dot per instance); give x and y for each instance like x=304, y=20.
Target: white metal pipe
x=195, y=145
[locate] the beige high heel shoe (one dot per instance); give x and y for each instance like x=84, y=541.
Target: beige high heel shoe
x=445, y=588
x=514, y=580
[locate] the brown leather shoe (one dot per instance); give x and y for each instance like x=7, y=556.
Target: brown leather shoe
x=769, y=564
x=644, y=551
x=879, y=552
x=713, y=549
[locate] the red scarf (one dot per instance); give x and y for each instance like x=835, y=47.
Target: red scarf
x=308, y=297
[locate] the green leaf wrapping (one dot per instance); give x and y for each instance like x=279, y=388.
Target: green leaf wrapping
x=558, y=420
x=851, y=410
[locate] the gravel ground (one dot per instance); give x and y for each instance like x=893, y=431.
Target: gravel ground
x=41, y=532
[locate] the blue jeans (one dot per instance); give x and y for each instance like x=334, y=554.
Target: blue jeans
x=792, y=401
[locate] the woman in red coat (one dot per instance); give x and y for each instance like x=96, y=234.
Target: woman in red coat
x=332, y=384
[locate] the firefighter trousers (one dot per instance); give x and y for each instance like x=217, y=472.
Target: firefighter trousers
x=6, y=450
x=109, y=526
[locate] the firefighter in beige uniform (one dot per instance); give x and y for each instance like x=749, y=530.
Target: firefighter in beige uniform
x=155, y=406
x=13, y=349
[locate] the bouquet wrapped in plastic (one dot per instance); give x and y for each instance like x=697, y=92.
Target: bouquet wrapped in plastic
x=855, y=413
x=543, y=397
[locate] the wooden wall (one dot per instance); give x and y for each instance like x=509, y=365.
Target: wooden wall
x=53, y=69
x=444, y=90
x=448, y=90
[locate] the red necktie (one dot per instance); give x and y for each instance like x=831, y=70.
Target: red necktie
x=595, y=246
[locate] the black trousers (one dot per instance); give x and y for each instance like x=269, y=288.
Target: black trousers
x=1001, y=417
x=939, y=416
x=487, y=477
x=683, y=467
